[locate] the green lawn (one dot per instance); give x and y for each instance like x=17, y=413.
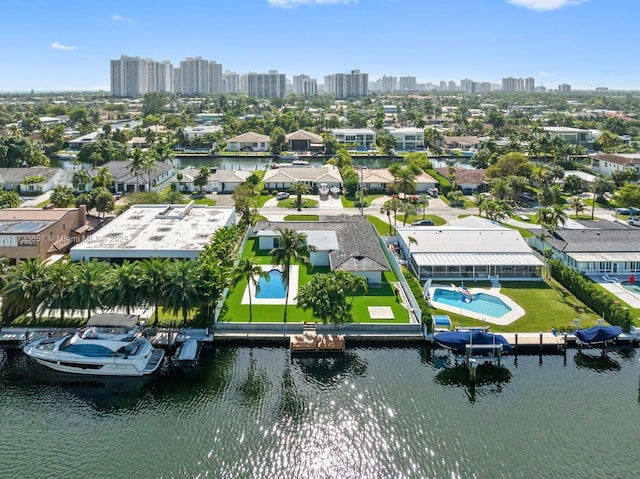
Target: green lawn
x=262, y=199
x=382, y=295
x=547, y=305
x=349, y=202
x=437, y=220
x=381, y=226
x=291, y=203
x=205, y=201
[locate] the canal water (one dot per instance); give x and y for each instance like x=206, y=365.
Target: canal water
x=370, y=413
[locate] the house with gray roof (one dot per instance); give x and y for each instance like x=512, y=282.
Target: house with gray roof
x=598, y=250
x=285, y=178
x=126, y=181
x=344, y=243
x=220, y=181
x=249, y=141
x=13, y=179
x=379, y=179
x=302, y=140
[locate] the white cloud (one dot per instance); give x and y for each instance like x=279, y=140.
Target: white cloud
x=120, y=18
x=545, y=74
x=60, y=46
x=295, y=3
x=545, y=5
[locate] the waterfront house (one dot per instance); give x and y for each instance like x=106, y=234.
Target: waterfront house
x=285, y=178
x=125, y=181
x=380, y=179
x=362, y=138
x=78, y=142
x=220, y=181
x=407, y=139
x=344, y=243
x=21, y=179
x=249, y=141
x=302, y=140
x=469, y=181
x=606, y=164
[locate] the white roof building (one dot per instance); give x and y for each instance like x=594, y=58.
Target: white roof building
x=163, y=231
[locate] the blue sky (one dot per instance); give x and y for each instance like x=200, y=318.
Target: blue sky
x=67, y=45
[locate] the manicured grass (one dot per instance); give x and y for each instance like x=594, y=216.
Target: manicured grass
x=524, y=232
x=205, y=201
x=43, y=203
x=262, y=199
x=349, y=202
x=547, y=305
x=301, y=218
x=437, y=220
x=382, y=295
x=291, y=203
x=381, y=226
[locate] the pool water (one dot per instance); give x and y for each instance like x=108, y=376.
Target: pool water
x=634, y=288
x=272, y=286
x=482, y=303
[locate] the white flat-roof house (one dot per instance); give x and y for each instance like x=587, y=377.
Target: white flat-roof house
x=249, y=141
x=608, y=163
x=407, y=139
x=462, y=253
x=575, y=136
x=160, y=231
x=285, y=178
x=379, y=179
x=344, y=243
x=79, y=142
x=362, y=138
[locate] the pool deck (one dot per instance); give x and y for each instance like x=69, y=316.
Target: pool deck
x=516, y=310
x=293, y=288
x=614, y=287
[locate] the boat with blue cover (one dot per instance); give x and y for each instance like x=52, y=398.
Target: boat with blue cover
x=598, y=334
x=458, y=341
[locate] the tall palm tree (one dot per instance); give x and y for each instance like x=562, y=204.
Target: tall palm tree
x=102, y=177
x=90, y=283
x=60, y=278
x=576, y=204
x=601, y=185
x=136, y=166
x=153, y=277
x=300, y=189
x=182, y=290
x=385, y=209
x=404, y=181
x=501, y=189
x=292, y=245
x=250, y=270
x=24, y=288
x=149, y=165
x=124, y=286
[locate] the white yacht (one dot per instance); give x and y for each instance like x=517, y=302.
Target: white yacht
x=109, y=345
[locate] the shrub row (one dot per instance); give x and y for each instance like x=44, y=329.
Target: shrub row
x=418, y=293
x=590, y=294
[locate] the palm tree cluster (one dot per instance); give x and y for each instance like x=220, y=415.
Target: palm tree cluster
x=179, y=286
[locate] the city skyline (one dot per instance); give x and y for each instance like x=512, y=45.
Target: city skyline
x=552, y=41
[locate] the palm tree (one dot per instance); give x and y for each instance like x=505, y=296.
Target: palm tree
x=102, y=177
x=352, y=282
x=601, y=185
x=81, y=178
x=300, y=189
x=124, y=286
x=149, y=165
x=136, y=166
x=153, y=277
x=404, y=181
x=292, y=245
x=62, y=196
x=182, y=290
x=386, y=209
x=576, y=204
x=60, y=278
x=501, y=189
x=250, y=270
x=423, y=200
x=24, y=288
x=90, y=283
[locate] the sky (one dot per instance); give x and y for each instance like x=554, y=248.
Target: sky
x=66, y=45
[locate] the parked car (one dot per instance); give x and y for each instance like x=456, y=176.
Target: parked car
x=623, y=211
x=282, y=195
x=433, y=192
x=422, y=223
x=527, y=196
x=634, y=221
x=634, y=211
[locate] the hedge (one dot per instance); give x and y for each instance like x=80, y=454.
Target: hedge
x=590, y=294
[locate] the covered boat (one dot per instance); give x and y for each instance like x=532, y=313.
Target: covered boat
x=109, y=345
x=598, y=334
x=187, y=355
x=459, y=340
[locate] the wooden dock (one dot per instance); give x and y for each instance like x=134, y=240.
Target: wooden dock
x=311, y=342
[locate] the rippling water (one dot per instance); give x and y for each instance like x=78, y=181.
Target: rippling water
x=371, y=413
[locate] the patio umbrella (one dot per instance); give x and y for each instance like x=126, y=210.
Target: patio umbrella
x=632, y=279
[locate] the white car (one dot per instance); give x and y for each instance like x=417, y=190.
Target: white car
x=283, y=195
x=634, y=221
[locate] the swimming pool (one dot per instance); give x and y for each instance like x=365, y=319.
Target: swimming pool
x=481, y=303
x=272, y=286
x=633, y=288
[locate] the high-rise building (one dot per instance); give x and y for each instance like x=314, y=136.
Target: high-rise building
x=529, y=85
x=305, y=85
x=266, y=85
x=198, y=76
x=231, y=82
x=347, y=85
x=564, y=88
x=407, y=84
x=388, y=84
x=135, y=76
